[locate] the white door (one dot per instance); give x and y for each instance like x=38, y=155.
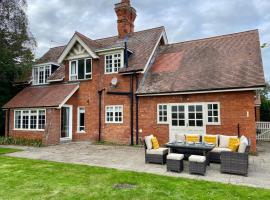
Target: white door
x=186, y=119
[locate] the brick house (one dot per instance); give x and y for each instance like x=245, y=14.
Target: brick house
x=121, y=88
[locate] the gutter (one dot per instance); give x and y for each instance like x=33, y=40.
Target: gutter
x=100, y=92
x=202, y=91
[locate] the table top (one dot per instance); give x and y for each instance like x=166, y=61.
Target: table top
x=186, y=145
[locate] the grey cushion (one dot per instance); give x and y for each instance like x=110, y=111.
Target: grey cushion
x=175, y=156
x=243, y=144
x=219, y=149
x=148, y=141
x=159, y=151
x=195, y=158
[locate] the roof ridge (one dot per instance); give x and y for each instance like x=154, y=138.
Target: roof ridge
x=213, y=37
x=159, y=27
x=82, y=35
x=57, y=47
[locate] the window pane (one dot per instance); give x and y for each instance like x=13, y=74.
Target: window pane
x=215, y=106
x=191, y=115
x=41, y=75
x=199, y=116
x=33, y=122
x=191, y=122
x=88, y=66
x=191, y=108
x=35, y=75
x=108, y=63
x=174, y=122
x=47, y=72
x=41, y=119
x=81, y=69
x=18, y=119
x=199, y=108
x=199, y=123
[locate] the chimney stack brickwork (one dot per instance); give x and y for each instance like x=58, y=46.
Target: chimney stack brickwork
x=126, y=15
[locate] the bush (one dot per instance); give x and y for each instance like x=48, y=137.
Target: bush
x=20, y=141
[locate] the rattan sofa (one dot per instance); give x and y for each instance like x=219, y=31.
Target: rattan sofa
x=234, y=162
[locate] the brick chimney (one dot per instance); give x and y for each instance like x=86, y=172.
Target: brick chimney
x=126, y=15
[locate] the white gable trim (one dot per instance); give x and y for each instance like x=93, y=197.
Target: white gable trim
x=68, y=97
x=71, y=43
x=162, y=35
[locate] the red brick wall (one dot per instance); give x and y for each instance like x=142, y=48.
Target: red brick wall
x=50, y=136
x=87, y=96
x=233, y=110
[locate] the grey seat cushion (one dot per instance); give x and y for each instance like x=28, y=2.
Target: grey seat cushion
x=159, y=151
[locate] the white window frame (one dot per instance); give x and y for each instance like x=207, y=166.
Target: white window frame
x=213, y=123
x=113, y=110
x=78, y=119
x=39, y=69
x=158, y=116
x=76, y=67
x=113, y=60
x=29, y=119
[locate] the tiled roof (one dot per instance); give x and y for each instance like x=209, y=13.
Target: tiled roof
x=93, y=45
x=141, y=43
x=222, y=62
x=59, y=74
x=52, y=55
x=42, y=96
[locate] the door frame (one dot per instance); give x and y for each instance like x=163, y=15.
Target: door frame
x=70, y=122
x=204, y=110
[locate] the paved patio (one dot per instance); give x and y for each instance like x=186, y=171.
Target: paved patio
x=132, y=158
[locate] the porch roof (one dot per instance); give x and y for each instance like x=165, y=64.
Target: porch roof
x=43, y=96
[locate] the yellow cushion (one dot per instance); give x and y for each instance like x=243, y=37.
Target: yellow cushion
x=210, y=139
x=192, y=138
x=155, y=143
x=234, y=144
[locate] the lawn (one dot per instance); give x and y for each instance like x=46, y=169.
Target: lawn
x=34, y=179
x=8, y=150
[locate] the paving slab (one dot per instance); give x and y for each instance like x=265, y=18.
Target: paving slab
x=132, y=159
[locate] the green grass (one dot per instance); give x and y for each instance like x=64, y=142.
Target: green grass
x=35, y=179
x=8, y=150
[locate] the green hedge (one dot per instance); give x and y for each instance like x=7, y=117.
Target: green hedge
x=20, y=141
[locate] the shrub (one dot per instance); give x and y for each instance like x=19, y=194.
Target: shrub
x=20, y=141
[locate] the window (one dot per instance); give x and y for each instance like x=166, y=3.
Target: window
x=195, y=115
x=213, y=116
x=162, y=114
x=81, y=118
x=114, y=114
x=80, y=69
x=29, y=119
x=41, y=74
x=113, y=62
x=178, y=115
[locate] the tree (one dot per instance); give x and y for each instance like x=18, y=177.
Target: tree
x=16, y=47
x=265, y=103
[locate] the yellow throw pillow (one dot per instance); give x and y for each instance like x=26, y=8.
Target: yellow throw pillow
x=155, y=143
x=210, y=139
x=234, y=144
x=192, y=138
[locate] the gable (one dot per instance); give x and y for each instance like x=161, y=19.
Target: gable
x=77, y=51
x=73, y=43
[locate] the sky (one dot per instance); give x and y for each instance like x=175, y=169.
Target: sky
x=53, y=22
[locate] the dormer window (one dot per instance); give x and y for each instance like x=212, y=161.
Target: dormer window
x=41, y=73
x=113, y=62
x=80, y=69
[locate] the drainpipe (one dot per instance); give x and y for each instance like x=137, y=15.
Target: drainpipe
x=131, y=109
x=8, y=121
x=99, y=113
x=137, y=112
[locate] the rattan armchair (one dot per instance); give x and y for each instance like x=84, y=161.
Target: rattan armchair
x=234, y=162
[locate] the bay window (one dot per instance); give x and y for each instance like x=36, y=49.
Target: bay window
x=80, y=69
x=29, y=119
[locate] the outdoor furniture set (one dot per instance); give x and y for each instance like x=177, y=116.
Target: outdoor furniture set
x=201, y=150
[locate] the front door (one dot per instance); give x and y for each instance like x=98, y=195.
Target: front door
x=186, y=119
x=66, y=122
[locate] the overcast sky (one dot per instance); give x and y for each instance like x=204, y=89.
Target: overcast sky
x=53, y=22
